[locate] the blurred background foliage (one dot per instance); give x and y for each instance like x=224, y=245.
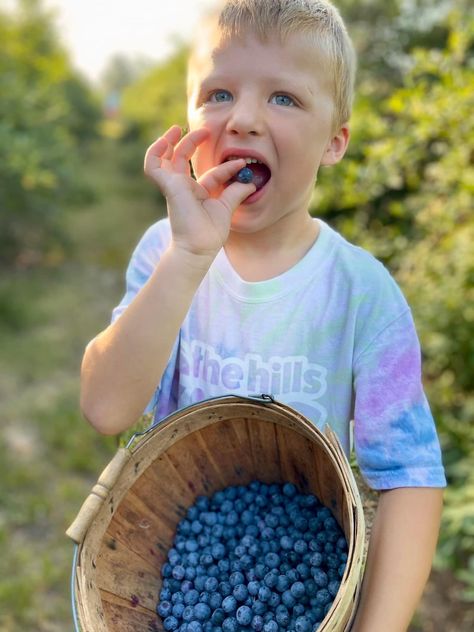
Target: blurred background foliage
x=46, y=113
x=73, y=203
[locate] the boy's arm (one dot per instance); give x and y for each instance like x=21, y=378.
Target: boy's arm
x=124, y=364
x=401, y=549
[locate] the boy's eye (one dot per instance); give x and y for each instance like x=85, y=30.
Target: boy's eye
x=282, y=99
x=220, y=96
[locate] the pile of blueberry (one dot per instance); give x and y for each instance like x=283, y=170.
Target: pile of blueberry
x=250, y=559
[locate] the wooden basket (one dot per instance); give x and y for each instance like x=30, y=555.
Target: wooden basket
x=127, y=523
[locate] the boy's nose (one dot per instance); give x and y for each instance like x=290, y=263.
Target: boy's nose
x=245, y=118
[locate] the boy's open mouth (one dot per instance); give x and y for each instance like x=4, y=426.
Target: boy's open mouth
x=261, y=173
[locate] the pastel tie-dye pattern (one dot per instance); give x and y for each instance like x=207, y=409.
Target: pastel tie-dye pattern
x=333, y=337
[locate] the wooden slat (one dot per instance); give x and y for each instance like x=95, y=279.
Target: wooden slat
x=121, y=616
x=127, y=575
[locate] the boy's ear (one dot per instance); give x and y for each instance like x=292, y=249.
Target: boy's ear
x=336, y=148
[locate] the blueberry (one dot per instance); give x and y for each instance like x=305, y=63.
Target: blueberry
x=301, y=523
x=268, y=534
x=271, y=578
x=218, y=616
x=288, y=600
x=236, y=578
x=230, y=625
x=245, y=175
x=232, y=518
x=240, y=592
x=253, y=587
x=320, y=577
x=272, y=560
x=202, y=612
x=297, y=590
x=186, y=586
x=188, y=613
x=206, y=559
x=300, y=547
x=193, y=513
x=243, y=615
x=282, y=616
x=247, y=517
x=303, y=570
x=283, y=583
x=323, y=597
x=310, y=587
x=332, y=561
x=191, y=597
x=259, y=607
x=223, y=566
x=272, y=520
x=333, y=587
x=226, y=506
x=215, y=601
x=303, y=624
x=270, y=626
x=316, y=559
x=264, y=593
x=191, y=545
x=178, y=610
x=286, y=543
x=289, y=490
x=274, y=600
x=164, y=609
x=257, y=623
x=225, y=588
x=200, y=580
x=171, y=623
x=177, y=597
x=178, y=572
x=165, y=594
x=229, y=604
x=211, y=584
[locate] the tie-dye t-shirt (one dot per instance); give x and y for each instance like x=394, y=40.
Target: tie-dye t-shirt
x=333, y=337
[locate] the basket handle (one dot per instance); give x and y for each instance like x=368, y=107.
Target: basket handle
x=97, y=496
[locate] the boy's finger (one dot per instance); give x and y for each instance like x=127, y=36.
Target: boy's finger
x=155, y=154
x=186, y=147
x=218, y=176
x=173, y=134
x=163, y=146
x=235, y=194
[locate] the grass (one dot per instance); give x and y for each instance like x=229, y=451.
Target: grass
x=49, y=457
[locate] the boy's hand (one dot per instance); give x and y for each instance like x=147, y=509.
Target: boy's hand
x=200, y=211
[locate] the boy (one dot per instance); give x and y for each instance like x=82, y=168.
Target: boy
x=241, y=291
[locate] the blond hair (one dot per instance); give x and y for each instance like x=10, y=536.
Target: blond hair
x=318, y=19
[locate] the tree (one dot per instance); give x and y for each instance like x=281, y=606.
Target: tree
x=158, y=100
x=45, y=112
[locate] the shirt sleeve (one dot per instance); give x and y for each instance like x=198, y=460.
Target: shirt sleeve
x=395, y=437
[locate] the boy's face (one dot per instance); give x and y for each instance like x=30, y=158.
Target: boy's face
x=272, y=102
